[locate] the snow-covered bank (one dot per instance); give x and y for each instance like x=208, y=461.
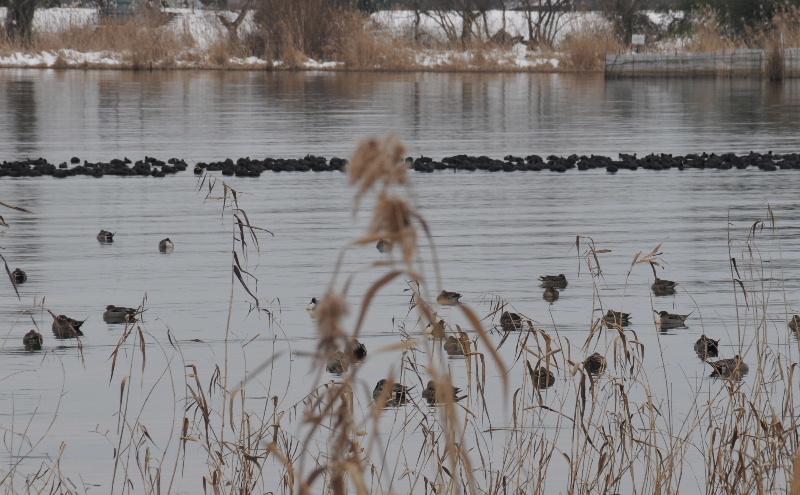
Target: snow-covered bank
x=201, y=30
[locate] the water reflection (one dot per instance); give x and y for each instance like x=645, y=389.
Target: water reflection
x=22, y=104
x=215, y=115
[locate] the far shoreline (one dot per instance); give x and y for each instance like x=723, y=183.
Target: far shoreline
x=190, y=39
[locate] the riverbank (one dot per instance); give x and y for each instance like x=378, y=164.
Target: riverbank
x=190, y=39
x=500, y=41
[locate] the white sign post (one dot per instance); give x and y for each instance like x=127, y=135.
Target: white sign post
x=637, y=40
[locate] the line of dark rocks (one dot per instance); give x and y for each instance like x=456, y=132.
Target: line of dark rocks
x=553, y=163
x=247, y=167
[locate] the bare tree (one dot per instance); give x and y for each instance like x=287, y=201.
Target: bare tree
x=233, y=26
x=543, y=18
x=469, y=11
x=627, y=18
x=19, y=20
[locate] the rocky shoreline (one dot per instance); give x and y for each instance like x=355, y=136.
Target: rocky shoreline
x=247, y=167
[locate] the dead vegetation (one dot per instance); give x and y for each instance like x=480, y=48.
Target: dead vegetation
x=582, y=431
x=280, y=35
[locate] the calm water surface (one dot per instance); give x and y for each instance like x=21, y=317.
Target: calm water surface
x=98, y=115
x=494, y=235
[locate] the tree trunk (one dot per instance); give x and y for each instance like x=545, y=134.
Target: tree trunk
x=467, y=18
x=19, y=21
x=233, y=26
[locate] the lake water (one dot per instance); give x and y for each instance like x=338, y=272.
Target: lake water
x=494, y=235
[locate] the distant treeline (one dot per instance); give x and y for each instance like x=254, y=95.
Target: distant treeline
x=521, y=4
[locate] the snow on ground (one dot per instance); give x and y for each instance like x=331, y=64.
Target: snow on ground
x=437, y=25
x=204, y=28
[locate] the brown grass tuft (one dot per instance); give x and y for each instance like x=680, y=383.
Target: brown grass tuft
x=585, y=50
x=706, y=33
x=329, y=315
x=377, y=161
x=786, y=25
x=368, y=46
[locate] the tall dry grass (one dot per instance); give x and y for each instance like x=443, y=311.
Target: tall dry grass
x=585, y=49
x=294, y=31
x=783, y=32
x=707, y=33
x=140, y=43
x=368, y=46
x=786, y=26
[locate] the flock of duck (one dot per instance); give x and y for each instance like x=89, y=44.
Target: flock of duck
x=65, y=327
x=393, y=394
x=705, y=347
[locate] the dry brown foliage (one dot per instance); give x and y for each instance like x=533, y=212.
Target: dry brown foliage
x=707, y=34
x=585, y=50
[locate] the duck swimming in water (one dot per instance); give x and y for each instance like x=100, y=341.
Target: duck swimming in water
x=358, y=351
x=550, y=294
x=436, y=393
x=510, y=321
x=457, y=346
x=733, y=368
x=446, y=298
x=33, y=341
x=65, y=327
x=554, y=281
x=384, y=245
x=542, y=378
x=706, y=347
x=594, y=364
x=20, y=277
x=616, y=318
x=435, y=330
x=119, y=314
x=395, y=394
x=670, y=320
x=105, y=236
x=166, y=246
x=663, y=287
x=312, y=305
x=338, y=363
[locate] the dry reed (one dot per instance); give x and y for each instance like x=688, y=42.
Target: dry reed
x=585, y=50
x=706, y=33
x=603, y=433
